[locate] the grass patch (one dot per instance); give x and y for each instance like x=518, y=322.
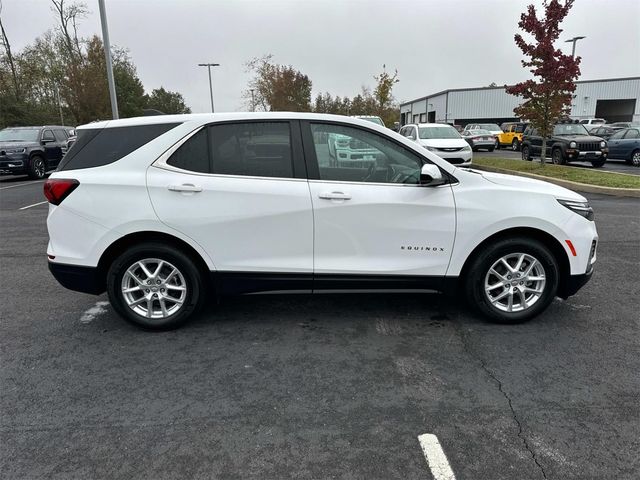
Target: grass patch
x=574, y=174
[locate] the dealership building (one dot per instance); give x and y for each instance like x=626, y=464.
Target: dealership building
x=614, y=99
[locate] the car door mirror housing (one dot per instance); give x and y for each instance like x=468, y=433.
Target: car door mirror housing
x=431, y=176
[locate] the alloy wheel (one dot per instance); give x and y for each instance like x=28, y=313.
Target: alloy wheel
x=38, y=167
x=635, y=159
x=154, y=288
x=515, y=282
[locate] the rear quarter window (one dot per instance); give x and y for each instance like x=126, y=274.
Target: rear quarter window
x=98, y=147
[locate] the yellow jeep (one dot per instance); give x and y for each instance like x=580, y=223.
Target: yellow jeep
x=512, y=135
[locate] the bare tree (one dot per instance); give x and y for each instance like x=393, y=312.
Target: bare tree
x=69, y=15
x=10, y=59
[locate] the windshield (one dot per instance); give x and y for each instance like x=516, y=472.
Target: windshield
x=437, y=132
x=19, y=135
x=570, y=129
x=492, y=127
x=375, y=120
x=478, y=132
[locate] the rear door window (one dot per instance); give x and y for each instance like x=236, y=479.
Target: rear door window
x=47, y=135
x=98, y=147
x=632, y=134
x=256, y=149
x=193, y=155
x=60, y=136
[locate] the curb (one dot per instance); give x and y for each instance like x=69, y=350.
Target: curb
x=580, y=187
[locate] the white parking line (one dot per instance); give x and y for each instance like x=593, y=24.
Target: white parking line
x=436, y=459
x=21, y=185
x=34, y=205
x=93, y=312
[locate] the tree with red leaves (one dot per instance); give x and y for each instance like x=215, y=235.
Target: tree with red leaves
x=548, y=96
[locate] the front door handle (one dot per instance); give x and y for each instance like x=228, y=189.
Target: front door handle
x=334, y=196
x=185, y=187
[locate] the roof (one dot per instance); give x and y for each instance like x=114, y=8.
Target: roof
x=231, y=116
x=501, y=87
x=35, y=127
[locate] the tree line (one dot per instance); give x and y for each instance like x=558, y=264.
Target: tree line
x=61, y=77
x=275, y=87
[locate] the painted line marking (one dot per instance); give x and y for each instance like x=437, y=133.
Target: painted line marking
x=34, y=205
x=90, y=315
x=436, y=459
x=22, y=185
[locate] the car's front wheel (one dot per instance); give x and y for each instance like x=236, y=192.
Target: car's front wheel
x=37, y=167
x=155, y=287
x=512, y=280
x=515, y=145
x=557, y=158
x=598, y=163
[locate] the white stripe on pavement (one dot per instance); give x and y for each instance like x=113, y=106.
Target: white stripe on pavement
x=436, y=459
x=93, y=312
x=22, y=185
x=34, y=205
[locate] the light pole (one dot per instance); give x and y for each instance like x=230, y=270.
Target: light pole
x=574, y=40
x=209, y=65
x=107, y=57
x=253, y=101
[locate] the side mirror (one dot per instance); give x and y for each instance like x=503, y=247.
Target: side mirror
x=431, y=176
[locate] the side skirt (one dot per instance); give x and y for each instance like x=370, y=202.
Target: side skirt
x=238, y=283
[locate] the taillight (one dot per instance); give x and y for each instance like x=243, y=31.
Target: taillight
x=57, y=189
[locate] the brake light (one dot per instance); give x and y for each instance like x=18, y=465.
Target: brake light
x=57, y=189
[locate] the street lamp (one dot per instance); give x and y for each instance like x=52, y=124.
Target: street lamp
x=574, y=40
x=209, y=65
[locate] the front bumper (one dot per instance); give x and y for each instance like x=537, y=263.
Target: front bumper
x=573, y=283
x=13, y=163
x=78, y=278
x=574, y=154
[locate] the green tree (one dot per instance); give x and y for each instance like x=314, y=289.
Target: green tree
x=166, y=101
x=277, y=87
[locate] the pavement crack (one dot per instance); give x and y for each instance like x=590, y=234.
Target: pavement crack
x=470, y=351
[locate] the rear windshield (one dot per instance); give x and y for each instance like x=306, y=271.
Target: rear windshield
x=102, y=146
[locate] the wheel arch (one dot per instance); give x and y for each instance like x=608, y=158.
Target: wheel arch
x=548, y=240
x=137, y=238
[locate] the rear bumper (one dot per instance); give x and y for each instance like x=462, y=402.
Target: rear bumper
x=78, y=278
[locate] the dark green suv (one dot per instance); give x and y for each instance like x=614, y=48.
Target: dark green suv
x=570, y=142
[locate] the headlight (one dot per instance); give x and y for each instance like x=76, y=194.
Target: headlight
x=431, y=149
x=466, y=148
x=17, y=150
x=603, y=144
x=573, y=145
x=581, y=208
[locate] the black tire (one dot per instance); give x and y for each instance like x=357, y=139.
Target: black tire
x=37, y=167
x=490, y=149
x=498, y=146
x=515, y=145
x=598, y=163
x=193, y=280
x=634, y=159
x=485, y=259
x=526, y=153
x=557, y=158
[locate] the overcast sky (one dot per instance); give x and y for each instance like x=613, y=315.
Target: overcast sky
x=340, y=44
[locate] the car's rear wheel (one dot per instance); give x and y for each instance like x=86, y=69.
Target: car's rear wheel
x=515, y=145
x=526, y=153
x=155, y=287
x=512, y=280
x=634, y=159
x=37, y=167
x=557, y=158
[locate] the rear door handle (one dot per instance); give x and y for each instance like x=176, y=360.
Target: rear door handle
x=185, y=187
x=334, y=196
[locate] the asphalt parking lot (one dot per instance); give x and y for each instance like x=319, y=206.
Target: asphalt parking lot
x=330, y=386
x=612, y=165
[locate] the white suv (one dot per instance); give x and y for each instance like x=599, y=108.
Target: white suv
x=441, y=139
x=160, y=211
